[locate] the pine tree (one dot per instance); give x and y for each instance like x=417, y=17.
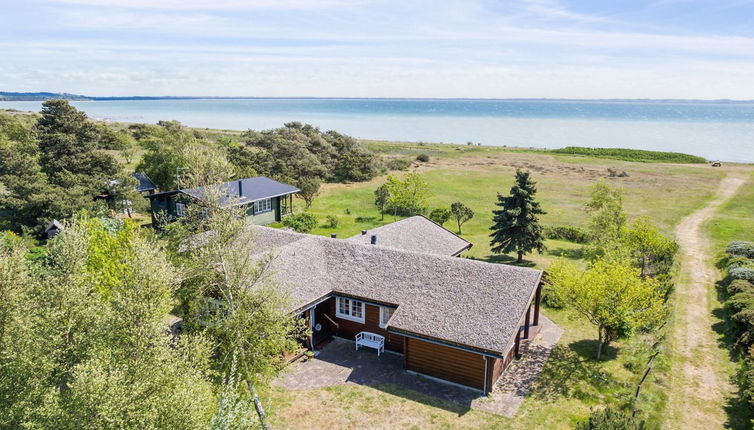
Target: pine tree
x=516, y=225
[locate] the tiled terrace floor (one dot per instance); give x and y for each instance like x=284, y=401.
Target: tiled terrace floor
x=338, y=363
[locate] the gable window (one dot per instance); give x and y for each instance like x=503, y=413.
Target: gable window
x=350, y=309
x=262, y=206
x=180, y=209
x=385, y=314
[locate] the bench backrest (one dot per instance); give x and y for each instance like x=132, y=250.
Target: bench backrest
x=371, y=336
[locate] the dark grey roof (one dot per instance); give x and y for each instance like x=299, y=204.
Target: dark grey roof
x=145, y=184
x=252, y=189
x=465, y=302
x=54, y=224
x=416, y=234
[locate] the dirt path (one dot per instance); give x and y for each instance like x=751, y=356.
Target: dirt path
x=698, y=383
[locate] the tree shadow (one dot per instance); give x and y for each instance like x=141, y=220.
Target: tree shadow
x=568, y=374
x=737, y=410
x=587, y=350
x=505, y=259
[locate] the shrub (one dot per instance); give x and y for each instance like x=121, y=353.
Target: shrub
x=739, y=286
x=440, y=215
x=550, y=298
x=332, y=221
x=303, y=222
x=729, y=262
x=567, y=232
x=741, y=249
x=610, y=419
x=363, y=219
x=398, y=164
x=744, y=273
x=745, y=380
x=422, y=157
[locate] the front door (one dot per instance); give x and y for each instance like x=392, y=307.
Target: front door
x=320, y=325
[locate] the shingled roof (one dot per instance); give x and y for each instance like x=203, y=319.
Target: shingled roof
x=416, y=234
x=459, y=301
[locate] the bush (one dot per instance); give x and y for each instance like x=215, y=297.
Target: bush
x=610, y=419
x=730, y=262
x=303, y=222
x=550, y=299
x=398, y=164
x=739, y=286
x=332, y=221
x=363, y=219
x=422, y=157
x=567, y=232
x=741, y=249
x=745, y=380
x=744, y=273
x=440, y=215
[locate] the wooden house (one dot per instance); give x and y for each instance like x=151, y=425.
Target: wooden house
x=454, y=319
x=264, y=200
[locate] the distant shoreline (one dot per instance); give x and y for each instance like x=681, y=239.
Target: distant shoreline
x=42, y=96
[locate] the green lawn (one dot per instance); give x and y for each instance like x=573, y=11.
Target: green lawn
x=734, y=220
x=663, y=192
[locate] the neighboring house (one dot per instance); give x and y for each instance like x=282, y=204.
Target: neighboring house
x=53, y=229
x=264, y=200
x=145, y=184
x=451, y=318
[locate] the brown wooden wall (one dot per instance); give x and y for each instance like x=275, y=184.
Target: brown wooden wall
x=455, y=365
x=349, y=329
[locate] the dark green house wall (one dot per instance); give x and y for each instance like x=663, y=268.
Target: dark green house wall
x=166, y=203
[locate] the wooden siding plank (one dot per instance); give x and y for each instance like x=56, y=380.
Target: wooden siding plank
x=454, y=365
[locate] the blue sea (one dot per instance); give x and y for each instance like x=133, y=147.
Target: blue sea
x=714, y=130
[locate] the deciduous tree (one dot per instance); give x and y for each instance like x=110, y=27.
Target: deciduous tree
x=461, y=213
x=610, y=294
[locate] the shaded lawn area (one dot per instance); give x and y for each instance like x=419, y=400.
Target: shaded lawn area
x=665, y=193
x=571, y=383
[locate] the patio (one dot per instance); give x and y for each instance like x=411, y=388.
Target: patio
x=337, y=363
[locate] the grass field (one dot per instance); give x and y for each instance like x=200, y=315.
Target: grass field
x=572, y=382
x=474, y=176
x=735, y=220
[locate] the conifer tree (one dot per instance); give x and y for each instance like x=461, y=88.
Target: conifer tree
x=516, y=225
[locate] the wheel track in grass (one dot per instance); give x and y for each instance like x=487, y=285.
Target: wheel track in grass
x=699, y=384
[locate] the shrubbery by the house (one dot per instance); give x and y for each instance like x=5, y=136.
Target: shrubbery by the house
x=303, y=222
x=567, y=232
x=738, y=289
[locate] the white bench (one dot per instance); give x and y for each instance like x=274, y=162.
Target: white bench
x=371, y=340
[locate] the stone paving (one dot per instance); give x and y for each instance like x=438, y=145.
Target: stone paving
x=338, y=363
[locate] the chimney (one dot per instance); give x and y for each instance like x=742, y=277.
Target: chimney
x=374, y=239
x=363, y=232
x=240, y=188
x=333, y=235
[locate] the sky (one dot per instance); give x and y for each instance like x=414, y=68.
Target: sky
x=380, y=48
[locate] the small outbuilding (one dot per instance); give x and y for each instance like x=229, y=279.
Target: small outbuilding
x=53, y=229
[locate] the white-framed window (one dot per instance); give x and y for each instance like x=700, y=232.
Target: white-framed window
x=349, y=309
x=262, y=206
x=385, y=314
x=180, y=209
